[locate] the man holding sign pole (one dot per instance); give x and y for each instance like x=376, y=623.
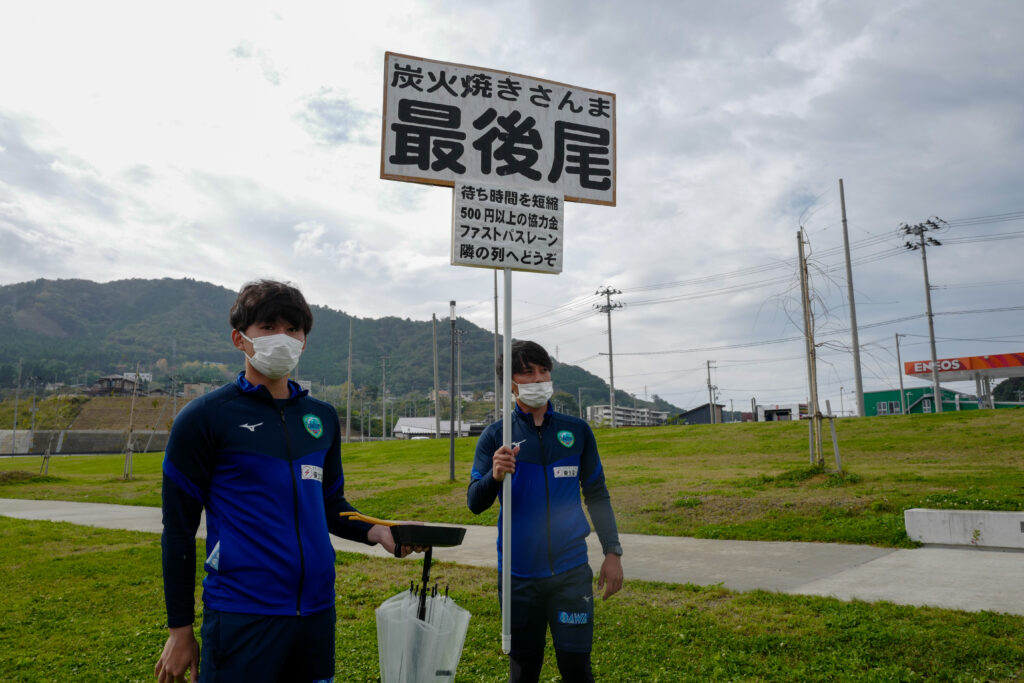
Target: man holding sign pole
x=554, y=467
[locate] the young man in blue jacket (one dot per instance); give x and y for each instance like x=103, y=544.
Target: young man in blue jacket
x=552, y=460
x=263, y=459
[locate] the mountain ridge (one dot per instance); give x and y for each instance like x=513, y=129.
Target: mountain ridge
x=68, y=330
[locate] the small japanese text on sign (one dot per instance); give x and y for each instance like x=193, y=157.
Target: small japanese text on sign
x=498, y=227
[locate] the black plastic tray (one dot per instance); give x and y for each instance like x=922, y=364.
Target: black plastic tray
x=427, y=536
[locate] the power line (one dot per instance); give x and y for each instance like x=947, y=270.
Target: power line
x=983, y=220
x=768, y=342
x=991, y=283
x=983, y=310
x=1001, y=340
x=580, y=308
x=723, y=347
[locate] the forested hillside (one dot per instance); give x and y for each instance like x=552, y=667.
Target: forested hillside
x=73, y=331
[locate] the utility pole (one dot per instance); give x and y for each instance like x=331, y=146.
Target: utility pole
x=32, y=426
x=129, y=446
x=437, y=388
x=607, y=307
x=348, y=397
x=458, y=372
x=817, y=457
x=384, y=398
x=711, y=395
x=853, y=311
x=899, y=364
x=451, y=397
x=14, y=428
x=497, y=389
x=174, y=378
x=920, y=231
x=579, y=400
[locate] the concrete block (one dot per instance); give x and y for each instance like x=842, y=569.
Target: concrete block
x=979, y=528
x=15, y=442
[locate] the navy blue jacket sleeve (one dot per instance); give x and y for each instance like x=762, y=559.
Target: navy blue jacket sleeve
x=186, y=479
x=483, y=488
x=334, y=495
x=596, y=496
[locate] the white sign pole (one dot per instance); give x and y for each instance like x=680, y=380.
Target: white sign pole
x=550, y=142
x=506, y=491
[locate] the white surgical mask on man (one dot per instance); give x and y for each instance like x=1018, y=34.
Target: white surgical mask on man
x=536, y=394
x=274, y=355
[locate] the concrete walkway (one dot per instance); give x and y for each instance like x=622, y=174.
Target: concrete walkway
x=960, y=578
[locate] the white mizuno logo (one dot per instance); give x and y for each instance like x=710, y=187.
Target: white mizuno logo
x=251, y=428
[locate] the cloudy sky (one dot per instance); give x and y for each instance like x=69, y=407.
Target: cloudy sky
x=230, y=141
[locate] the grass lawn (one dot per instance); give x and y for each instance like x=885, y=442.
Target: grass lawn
x=86, y=604
x=738, y=481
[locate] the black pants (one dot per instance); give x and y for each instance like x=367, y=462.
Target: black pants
x=563, y=604
x=253, y=648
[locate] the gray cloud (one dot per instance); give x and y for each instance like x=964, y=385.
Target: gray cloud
x=246, y=51
x=735, y=122
x=333, y=120
x=56, y=178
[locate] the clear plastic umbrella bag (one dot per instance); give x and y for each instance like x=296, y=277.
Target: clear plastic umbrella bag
x=414, y=650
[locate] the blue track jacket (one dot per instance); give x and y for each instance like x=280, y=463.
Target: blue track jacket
x=556, y=462
x=268, y=473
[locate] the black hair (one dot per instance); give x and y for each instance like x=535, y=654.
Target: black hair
x=524, y=354
x=267, y=301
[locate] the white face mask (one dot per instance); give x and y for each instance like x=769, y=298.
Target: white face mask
x=274, y=355
x=536, y=394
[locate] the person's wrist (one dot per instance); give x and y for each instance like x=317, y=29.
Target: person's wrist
x=615, y=549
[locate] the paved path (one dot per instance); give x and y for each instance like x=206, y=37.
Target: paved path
x=955, y=578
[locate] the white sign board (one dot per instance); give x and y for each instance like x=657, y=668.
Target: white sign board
x=499, y=227
x=446, y=122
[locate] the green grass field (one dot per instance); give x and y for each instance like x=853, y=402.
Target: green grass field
x=737, y=481
x=86, y=604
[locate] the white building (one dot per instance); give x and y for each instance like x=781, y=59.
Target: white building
x=625, y=416
x=411, y=427
x=781, y=412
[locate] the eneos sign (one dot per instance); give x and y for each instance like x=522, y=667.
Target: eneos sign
x=924, y=367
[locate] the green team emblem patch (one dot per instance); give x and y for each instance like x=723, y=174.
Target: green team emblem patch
x=566, y=438
x=313, y=425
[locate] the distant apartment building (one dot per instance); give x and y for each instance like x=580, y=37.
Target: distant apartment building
x=625, y=416
x=113, y=385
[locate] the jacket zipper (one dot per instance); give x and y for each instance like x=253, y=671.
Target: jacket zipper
x=547, y=495
x=295, y=505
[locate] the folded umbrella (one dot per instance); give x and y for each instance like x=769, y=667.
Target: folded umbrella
x=419, y=636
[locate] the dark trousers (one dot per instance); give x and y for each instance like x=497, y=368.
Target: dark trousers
x=253, y=648
x=563, y=604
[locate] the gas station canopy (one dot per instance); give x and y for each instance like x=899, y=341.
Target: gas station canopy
x=996, y=366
